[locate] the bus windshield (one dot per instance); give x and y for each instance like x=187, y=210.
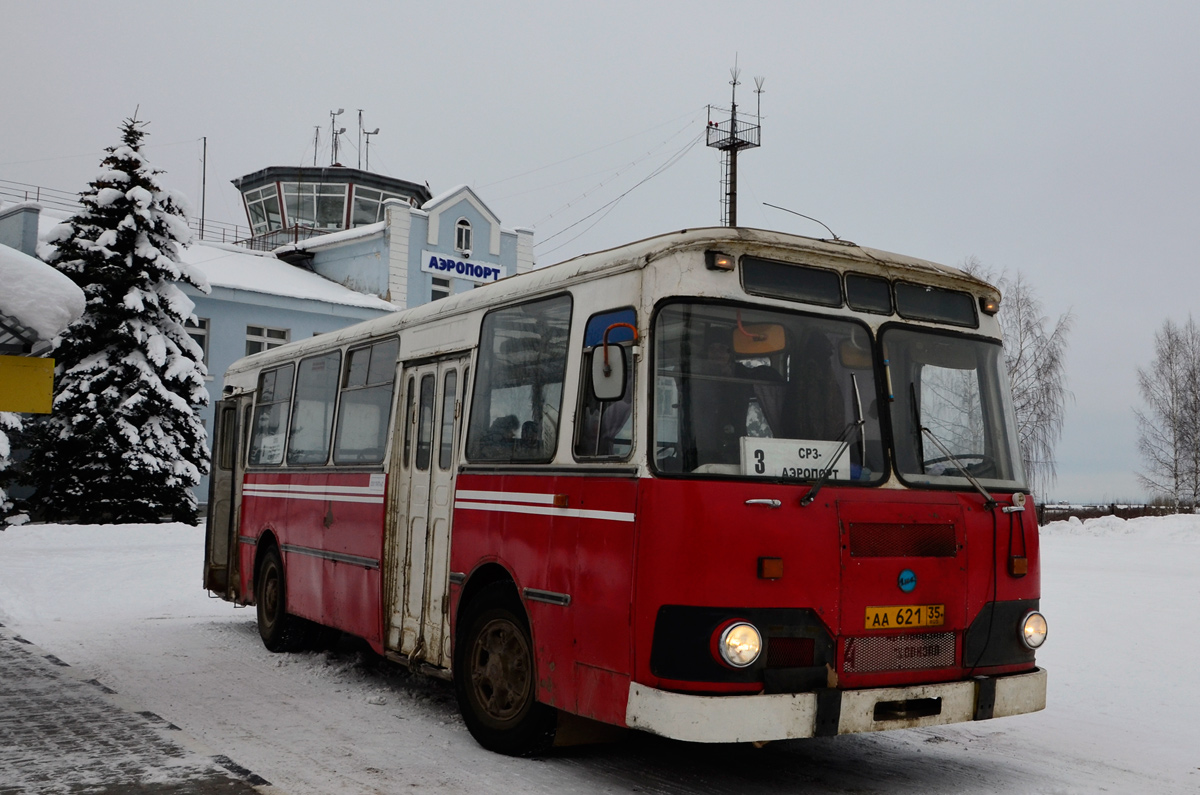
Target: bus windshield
x=952, y=414
x=762, y=393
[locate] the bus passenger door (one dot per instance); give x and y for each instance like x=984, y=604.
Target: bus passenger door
x=429, y=460
x=224, y=500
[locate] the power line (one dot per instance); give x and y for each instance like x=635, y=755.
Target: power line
x=607, y=208
x=694, y=114
x=571, y=202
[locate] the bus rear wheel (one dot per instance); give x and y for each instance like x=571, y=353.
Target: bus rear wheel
x=279, y=630
x=495, y=678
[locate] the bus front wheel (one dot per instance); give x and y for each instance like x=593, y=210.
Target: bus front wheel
x=495, y=679
x=279, y=630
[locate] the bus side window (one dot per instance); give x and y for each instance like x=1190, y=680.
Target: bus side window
x=366, y=403
x=522, y=363
x=446, y=446
x=604, y=428
x=408, y=420
x=312, y=412
x=273, y=398
x=425, y=423
x=228, y=437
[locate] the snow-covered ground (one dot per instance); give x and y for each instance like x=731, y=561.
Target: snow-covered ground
x=124, y=604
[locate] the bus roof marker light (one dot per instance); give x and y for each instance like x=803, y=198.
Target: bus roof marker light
x=989, y=306
x=716, y=261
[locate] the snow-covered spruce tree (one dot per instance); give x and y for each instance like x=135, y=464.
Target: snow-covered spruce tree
x=124, y=443
x=9, y=423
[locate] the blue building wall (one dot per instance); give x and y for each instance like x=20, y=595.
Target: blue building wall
x=360, y=265
x=389, y=261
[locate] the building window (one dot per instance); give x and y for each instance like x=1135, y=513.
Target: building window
x=462, y=236
x=198, y=331
x=261, y=338
x=262, y=204
x=441, y=289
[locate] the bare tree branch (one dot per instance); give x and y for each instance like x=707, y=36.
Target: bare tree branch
x=1169, y=428
x=1035, y=355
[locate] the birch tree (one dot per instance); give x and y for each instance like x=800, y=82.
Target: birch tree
x=1169, y=426
x=1035, y=350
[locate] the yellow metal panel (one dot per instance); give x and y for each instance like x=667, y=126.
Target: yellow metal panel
x=26, y=384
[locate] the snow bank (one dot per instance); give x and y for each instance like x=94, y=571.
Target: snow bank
x=37, y=295
x=1181, y=528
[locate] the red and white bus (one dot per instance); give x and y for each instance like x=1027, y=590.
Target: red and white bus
x=721, y=485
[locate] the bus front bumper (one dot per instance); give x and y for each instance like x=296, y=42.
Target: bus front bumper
x=733, y=719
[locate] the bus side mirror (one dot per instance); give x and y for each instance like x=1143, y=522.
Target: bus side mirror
x=608, y=381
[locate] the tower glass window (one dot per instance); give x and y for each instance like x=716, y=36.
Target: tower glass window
x=263, y=206
x=367, y=207
x=313, y=205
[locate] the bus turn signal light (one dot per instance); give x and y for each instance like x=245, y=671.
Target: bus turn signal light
x=770, y=568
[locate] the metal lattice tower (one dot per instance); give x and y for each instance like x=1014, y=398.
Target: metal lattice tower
x=731, y=135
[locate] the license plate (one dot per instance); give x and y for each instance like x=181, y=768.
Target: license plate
x=905, y=616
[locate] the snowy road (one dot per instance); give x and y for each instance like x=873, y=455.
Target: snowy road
x=123, y=604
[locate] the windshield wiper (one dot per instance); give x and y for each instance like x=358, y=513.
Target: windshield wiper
x=844, y=438
x=989, y=502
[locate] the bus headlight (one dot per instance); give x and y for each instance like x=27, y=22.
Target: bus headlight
x=738, y=644
x=1033, y=630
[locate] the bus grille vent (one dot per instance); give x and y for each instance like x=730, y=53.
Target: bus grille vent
x=789, y=652
x=880, y=540
x=899, y=652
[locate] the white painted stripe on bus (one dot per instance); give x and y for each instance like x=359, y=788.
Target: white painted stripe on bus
x=577, y=513
x=283, y=495
x=536, y=498
x=315, y=488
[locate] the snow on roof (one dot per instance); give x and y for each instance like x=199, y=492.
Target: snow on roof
x=441, y=197
x=241, y=269
x=37, y=295
x=336, y=238
x=238, y=268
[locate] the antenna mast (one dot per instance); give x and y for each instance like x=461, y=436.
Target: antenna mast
x=730, y=136
x=334, y=132
x=316, y=143
x=369, y=133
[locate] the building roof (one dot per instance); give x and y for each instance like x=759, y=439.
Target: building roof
x=239, y=268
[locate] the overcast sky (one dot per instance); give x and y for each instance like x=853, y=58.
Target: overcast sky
x=1058, y=139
